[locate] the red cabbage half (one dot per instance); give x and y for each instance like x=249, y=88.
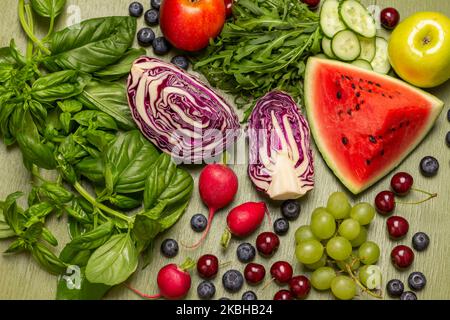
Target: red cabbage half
x=281, y=161
x=178, y=113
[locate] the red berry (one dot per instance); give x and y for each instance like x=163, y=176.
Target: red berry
x=402, y=256
x=267, y=243
x=389, y=18
x=397, y=227
x=401, y=183
x=254, y=273
x=207, y=266
x=283, y=295
x=385, y=202
x=300, y=287
x=229, y=7
x=281, y=271
x=312, y=4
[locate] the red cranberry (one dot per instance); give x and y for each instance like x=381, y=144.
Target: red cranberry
x=207, y=266
x=283, y=295
x=312, y=4
x=254, y=273
x=401, y=183
x=267, y=243
x=385, y=202
x=389, y=18
x=397, y=227
x=300, y=287
x=281, y=271
x=402, y=256
x=229, y=7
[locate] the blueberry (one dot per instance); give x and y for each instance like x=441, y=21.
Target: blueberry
x=447, y=139
x=249, y=295
x=181, y=62
x=151, y=17
x=136, y=9
x=417, y=281
x=420, y=241
x=429, y=166
x=155, y=4
x=290, y=209
x=395, y=288
x=246, y=252
x=161, y=46
x=206, y=290
x=281, y=226
x=145, y=37
x=169, y=248
x=198, y=222
x=232, y=280
x=408, y=295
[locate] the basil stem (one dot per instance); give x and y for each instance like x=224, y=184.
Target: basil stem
x=27, y=29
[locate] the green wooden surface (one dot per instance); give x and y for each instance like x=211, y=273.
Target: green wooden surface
x=21, y=278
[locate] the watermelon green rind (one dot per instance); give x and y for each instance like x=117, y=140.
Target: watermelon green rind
x=436, y=107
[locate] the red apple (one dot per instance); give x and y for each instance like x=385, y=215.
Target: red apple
x=189, y=24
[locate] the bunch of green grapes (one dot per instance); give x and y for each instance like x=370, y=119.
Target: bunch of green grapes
x=335, y=246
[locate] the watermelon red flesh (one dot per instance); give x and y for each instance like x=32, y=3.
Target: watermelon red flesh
x=364, y=123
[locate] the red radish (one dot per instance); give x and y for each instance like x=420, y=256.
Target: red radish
x=217, y=185
x=173, y=282
x=243, y=220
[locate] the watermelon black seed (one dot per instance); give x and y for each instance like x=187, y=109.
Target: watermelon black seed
x=378, y=85
x=338, y=95
x=370, y=90
x=358, y=94
x=344, y=141
x=357, y=107
x=353, y=86
x=382, y=152
x=368, y=162
x=369, y=82
x=349, y=111
x=372, y=139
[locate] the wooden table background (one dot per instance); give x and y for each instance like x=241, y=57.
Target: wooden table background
x=21, y=278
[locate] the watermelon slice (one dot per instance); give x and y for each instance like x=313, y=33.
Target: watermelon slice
x=364, y=123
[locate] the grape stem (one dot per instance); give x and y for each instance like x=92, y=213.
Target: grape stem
x=366, y=290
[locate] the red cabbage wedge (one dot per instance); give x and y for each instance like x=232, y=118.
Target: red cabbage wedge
x=178, y=113
x=281, y=161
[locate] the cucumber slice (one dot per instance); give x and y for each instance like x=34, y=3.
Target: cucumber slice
x=381, y=63
x=330, y=22
x=326, y=47
x=363, y=64
x=368, y=49
x=345, y=45
x=357, y=18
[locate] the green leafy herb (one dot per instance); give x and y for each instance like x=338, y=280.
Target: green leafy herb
x=48, y=8
x=122, y=67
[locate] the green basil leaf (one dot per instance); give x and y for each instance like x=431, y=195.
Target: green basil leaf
x=5, y=72
x=5, y=230
x=38, y=111
x=59, y=85
x=56, y=193
x=114, y=262
x=99, y=139
x=18, y=57
x=37, y=213
x=73, y=285
x=124, y=202
x=48, y=8
x=17, y=246
x=179, y=189
x=66, y=169
x=172, y=214
x=71, y=150
x=48, y=236
x=33, y=233
x=111, y=98
x=131, y=157
x=91, y=168
x=47, y=259
x=65, y=119
x=74, y=256
x=91, y=45
x=6, y=56
x=70, y=106
x=145, y=229
x=31, y=146
x=95, y=119
x=8, y=130
x=94, y=238
x=122, y=67
x=11, y=212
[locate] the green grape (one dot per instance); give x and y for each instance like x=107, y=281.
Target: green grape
x=370, y=277
x=304, y=233
x=309, y=251
x=352, y=261
x=318, y=211
x=343, y=288
x=349, y=229
x=339, y=248
x=323, y=225
x=321, y=263
x=360, y=239
x=363, y=213
x=369, y=252
x=338, y=205
x=321, y=278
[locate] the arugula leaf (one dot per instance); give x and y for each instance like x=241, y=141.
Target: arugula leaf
x=73, y=285
x=91, y=45
x=114, y=262
x=109, y=97
x=48, y=8
x=122, y=67
x=130, y=158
